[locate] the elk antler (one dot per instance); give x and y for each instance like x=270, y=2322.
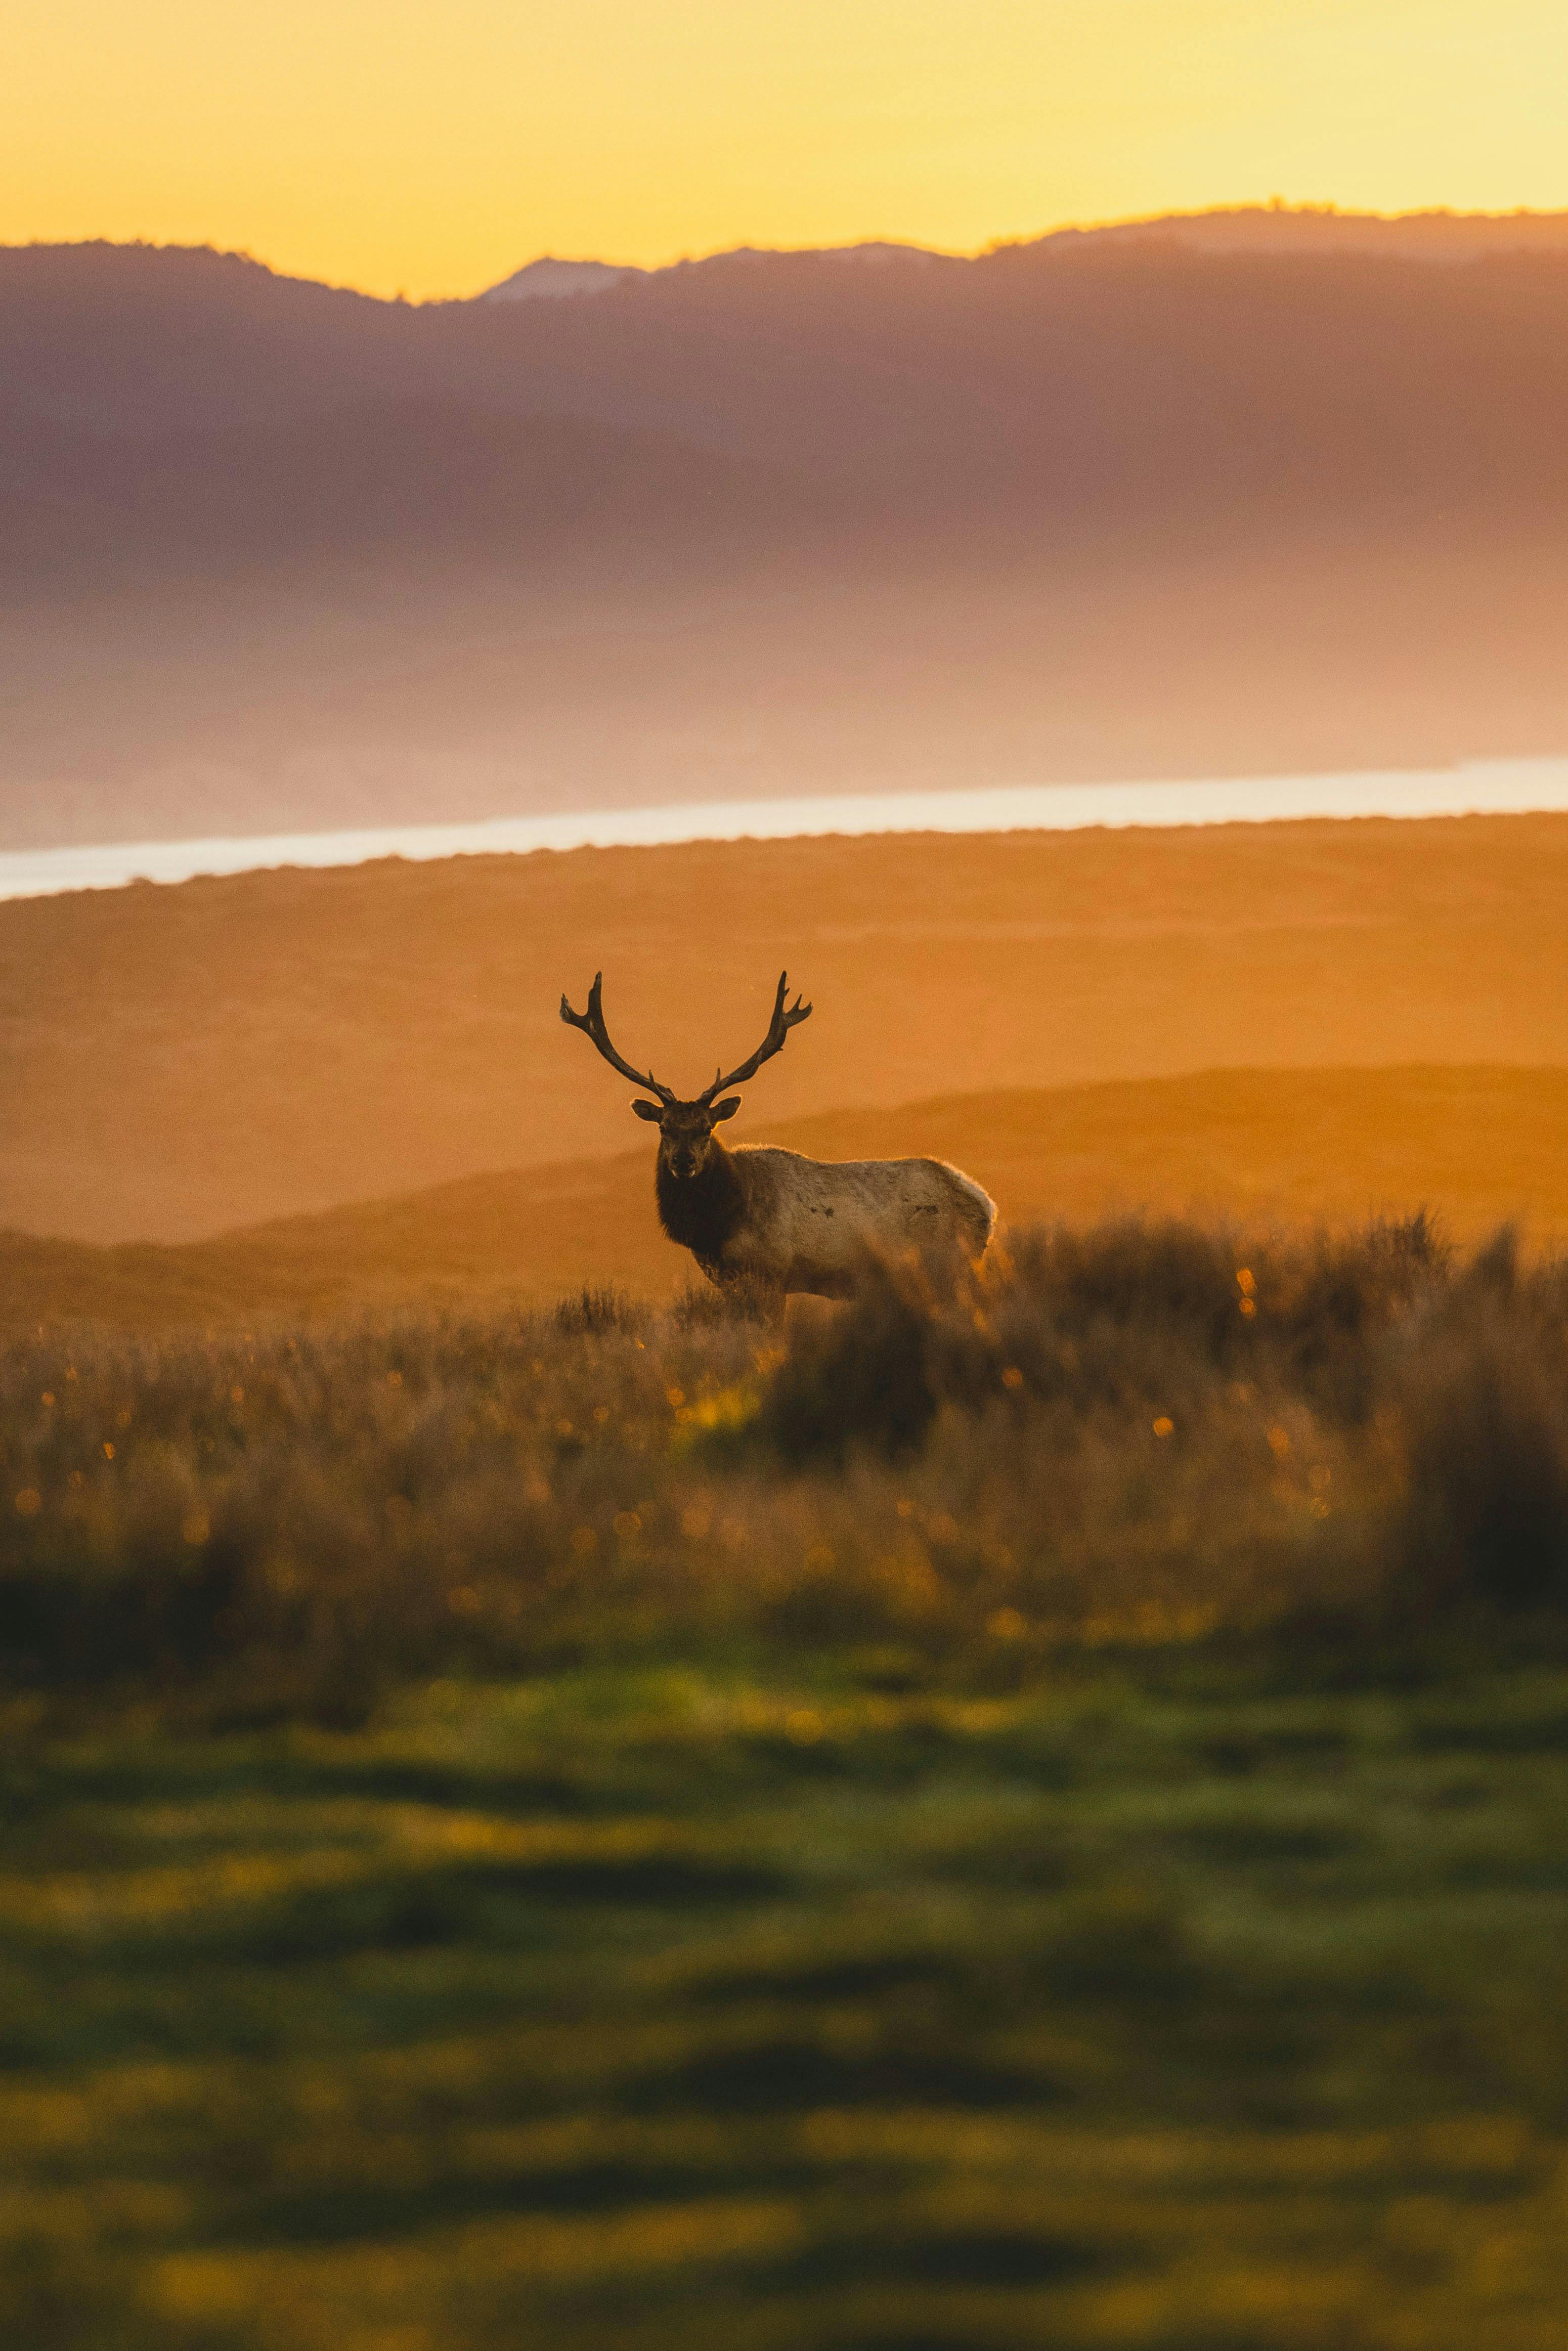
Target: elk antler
x=778, y=1027
x=591, y=1024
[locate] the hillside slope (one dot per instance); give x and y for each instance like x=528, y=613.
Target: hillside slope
x=1477, y=1147
x=181, y=1060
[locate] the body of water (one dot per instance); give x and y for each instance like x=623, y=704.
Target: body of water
x=1500, y=787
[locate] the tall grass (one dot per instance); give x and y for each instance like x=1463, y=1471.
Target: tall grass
x=1137, y=1432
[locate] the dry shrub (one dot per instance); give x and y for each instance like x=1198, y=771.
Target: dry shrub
x=871, y=1376
x=1138, y=1432
x=1482, y=1399
x=704, y=1307
x=597, y=1309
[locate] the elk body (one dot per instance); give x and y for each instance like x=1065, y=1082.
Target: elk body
x=773, y=1221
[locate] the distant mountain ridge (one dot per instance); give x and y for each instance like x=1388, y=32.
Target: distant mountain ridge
x=1432, y=235
x=551, y=279
x=1040, y=379
x=1243, y=491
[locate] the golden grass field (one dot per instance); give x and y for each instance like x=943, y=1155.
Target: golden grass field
x=1304, y=1021
x=184, y=1061
x=1479, y=1146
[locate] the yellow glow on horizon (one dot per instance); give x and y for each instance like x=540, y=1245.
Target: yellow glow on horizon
x=433, y=150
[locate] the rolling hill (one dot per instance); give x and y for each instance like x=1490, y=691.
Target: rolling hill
x=1476, y=1147
x=183, y=1060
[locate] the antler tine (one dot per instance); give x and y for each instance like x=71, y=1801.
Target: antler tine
x=591, y=1024
x=778, y=1027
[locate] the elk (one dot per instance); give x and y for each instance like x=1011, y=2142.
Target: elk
x=768, y=1221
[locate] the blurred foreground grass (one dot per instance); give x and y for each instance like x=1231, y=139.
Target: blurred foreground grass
x=1171, y=2003
x=1026, y=1817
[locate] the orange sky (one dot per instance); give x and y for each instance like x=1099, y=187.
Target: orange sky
x=433, y=149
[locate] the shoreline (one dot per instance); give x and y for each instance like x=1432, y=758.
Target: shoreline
x=1475, y=787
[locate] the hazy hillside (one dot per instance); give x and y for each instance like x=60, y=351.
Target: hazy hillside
x=181, y=1060
x=275, y=554
x=373, y=488
x=1087, y=379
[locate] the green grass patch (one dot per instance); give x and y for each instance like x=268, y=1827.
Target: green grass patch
x=1156, y=2006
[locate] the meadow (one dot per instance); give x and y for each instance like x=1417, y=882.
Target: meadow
x=222, y=1054
x=1029, y=1815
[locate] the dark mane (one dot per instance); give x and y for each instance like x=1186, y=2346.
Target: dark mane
x=702, y=1212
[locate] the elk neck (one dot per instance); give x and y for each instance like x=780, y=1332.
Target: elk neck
x=702, y=1212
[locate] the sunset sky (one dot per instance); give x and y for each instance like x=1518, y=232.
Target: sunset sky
x=397, y=145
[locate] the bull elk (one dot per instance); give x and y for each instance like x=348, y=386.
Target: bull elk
x=772, y=1221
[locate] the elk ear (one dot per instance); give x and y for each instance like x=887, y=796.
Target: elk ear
x=648, y=1110
x=725, y=1109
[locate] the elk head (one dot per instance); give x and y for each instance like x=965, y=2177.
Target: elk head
x=685, y=1128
